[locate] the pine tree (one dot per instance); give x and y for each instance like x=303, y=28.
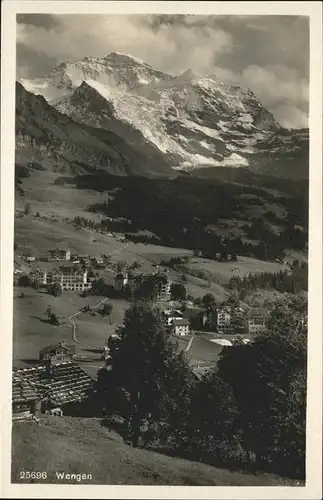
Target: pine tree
x=147, y=372
x=270, y=388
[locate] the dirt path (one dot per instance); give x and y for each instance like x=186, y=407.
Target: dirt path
x=70, y=322
x=189, y=345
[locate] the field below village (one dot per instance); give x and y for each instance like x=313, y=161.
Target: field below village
x=86, y=446
x=32, y=331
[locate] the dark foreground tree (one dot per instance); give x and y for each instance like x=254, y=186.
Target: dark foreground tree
x=212, y=432
x=268, y=378
x=149, y=375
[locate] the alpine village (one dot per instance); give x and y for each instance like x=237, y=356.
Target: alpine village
x=160, y=307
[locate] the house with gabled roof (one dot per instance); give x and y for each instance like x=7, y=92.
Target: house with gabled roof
x=180, y=327
x=63, y=385
x=57, y=353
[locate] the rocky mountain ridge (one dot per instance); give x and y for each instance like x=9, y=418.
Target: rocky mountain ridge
x=188, y=122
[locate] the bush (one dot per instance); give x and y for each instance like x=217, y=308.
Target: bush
x=24, y=281
x=56, y=289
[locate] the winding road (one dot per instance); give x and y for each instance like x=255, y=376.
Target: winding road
x=189, y=345
x=69, y=320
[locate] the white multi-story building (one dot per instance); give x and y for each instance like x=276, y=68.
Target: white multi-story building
x=224, y=320
x=72, y=278
x=256, y=321
x=180, y=327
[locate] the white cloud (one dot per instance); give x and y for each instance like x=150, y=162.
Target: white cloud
x=291, y=116
x=173, y=48
x=204, y=44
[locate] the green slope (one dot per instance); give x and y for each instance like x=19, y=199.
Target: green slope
x=75, y=445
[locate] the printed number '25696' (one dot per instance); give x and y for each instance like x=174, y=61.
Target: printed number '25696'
x=32, y=475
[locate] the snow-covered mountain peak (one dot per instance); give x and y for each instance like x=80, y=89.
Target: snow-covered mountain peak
x=193, y=121
x=125, y=58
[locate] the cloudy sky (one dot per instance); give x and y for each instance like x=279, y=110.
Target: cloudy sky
x=269, y=54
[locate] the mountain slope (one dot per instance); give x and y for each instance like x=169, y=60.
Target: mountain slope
x=189, y=121
x=47, y=137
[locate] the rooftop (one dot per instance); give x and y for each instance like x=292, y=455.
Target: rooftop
x=58, y=250
x=180, y=322
x=22, y=389
x=257, y=311
x=69, y=269
x=53, y=347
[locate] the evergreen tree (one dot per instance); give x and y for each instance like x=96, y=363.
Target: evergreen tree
x=178, y=291
x=27, y=209
x=148, y=374
x=107, y=309
x=268, y=378
x=212, y=431
x=56, y=289
x=208, y=300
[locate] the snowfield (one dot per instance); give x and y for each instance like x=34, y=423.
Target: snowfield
x=194, y=121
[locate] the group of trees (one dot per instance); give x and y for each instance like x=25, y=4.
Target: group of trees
x=250, y=413
x=54, y=289
x=52, y=318
x=178, y=291
x=137, y=205
x=293, y=281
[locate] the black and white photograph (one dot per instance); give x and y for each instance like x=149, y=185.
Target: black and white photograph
x=160, y=279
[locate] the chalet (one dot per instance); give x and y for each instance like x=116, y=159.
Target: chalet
x=63, y=386
x=30, y=258
x=75, y=259
x=25, y=399
x=256, y=320
x=85, y=259
x=171, y=315
x=58, y=254
x=57, y=353
x=96, y=261
x=180, y=327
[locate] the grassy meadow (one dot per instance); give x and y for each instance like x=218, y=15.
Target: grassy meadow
x=76, y=445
